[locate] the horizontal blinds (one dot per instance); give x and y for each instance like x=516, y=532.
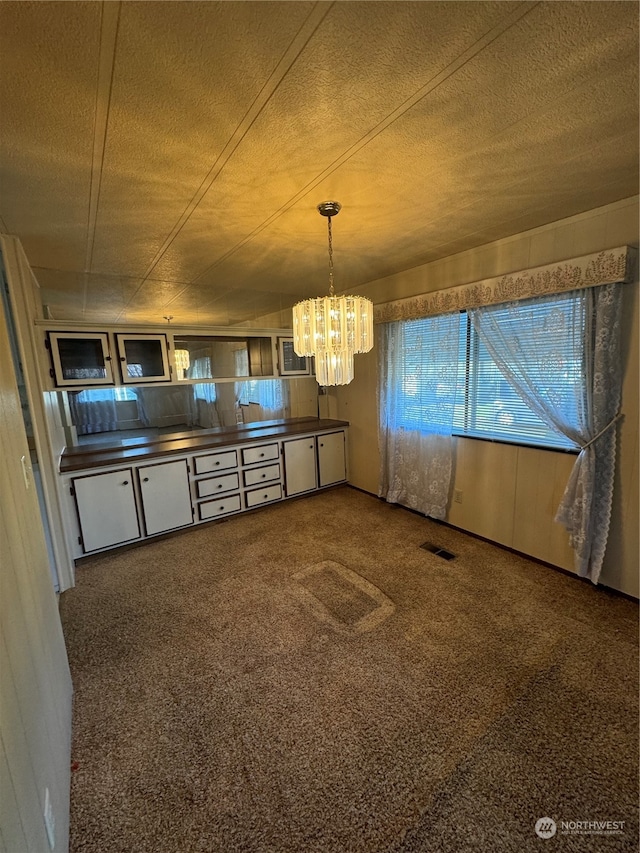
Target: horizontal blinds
x=440, y=369
x=544, y=335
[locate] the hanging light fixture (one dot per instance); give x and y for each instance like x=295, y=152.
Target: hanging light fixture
x=332, y=328
x=182, y=359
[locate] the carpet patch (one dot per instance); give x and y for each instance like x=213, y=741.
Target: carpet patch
x=342, y=598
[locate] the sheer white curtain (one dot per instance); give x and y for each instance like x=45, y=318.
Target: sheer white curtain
x=167, y=405
x=205, y=397
x=93, y=410
x=270, y=394
x=418, y=366
x=564, y=362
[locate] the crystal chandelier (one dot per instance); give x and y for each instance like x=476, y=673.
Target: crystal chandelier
x=333, y=328
x=182, y=359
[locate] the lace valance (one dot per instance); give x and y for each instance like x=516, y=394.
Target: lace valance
x=612, y=265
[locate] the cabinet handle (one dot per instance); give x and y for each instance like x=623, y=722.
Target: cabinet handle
x=222, y=507
x=219, y=485
x=145, y=479
x=311, y=446
x=263, y=476
x=321, y=444
x=126, y=483
x=218, y=462
x=262, y=454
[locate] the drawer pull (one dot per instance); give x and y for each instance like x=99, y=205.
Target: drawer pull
x=261, y=455
x=263, y=476
x=222, y=507
x=266, y=496
x=217, y=462
x=219, y=485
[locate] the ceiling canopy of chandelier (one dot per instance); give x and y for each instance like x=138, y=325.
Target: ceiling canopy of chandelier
x=333, y=328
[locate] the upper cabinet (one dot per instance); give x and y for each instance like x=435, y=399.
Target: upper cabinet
x=289, y=362
x=84, y=358
x=80, y=358
x=143, y=358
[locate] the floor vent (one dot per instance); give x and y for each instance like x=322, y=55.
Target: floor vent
x=438, y=551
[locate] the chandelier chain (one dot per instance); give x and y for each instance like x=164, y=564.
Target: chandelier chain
x=331, y=293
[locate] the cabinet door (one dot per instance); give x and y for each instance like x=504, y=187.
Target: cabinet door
x=80, y=358
x=106, y=509
x=331, y=458
x=143, y=358
x=300, y=465
x=166, y=501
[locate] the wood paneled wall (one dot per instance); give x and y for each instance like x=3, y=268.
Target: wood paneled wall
x=35, y=684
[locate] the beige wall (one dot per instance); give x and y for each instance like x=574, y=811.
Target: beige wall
x=510, y=494
x=35, y=685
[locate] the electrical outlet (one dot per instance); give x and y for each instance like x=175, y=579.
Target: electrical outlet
x=457, y=496
x=49, y=819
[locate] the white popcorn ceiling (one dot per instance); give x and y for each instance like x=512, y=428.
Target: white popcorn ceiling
x=167, y=158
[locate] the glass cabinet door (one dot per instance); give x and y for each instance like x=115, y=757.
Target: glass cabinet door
x=80, y=358
x=143, y=358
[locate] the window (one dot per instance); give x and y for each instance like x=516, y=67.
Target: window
x=103, y=395
x=485, y=404
x=268, y=393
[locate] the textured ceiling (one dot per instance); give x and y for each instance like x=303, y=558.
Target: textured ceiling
x=167, y=158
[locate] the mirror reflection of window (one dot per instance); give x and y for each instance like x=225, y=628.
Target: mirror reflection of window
x=225, y=356
x=114, y=414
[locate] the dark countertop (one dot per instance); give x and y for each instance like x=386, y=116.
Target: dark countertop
x=130, y=450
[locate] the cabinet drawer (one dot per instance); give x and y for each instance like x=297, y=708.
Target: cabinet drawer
x=217, y=485
x=263, y=453
x=261, y=475
x=211, y=509
x=263, y=496
x=216, y=462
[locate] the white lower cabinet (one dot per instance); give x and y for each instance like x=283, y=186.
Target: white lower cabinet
x=332, y=465
x=166, y=498
x=107, y=512
x=300, y=465
x=144, y=500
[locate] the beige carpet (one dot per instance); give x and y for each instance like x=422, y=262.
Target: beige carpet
x=307, y=678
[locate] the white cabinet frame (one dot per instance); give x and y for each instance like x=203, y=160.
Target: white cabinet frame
x=107, y=509
x=332, y=458
x=100, y=338
x=165, y=496
x=163, y=376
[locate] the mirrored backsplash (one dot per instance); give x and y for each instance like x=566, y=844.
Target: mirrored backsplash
x=111, y=415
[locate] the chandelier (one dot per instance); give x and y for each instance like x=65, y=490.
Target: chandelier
x=332, y=328
x=182, y=359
